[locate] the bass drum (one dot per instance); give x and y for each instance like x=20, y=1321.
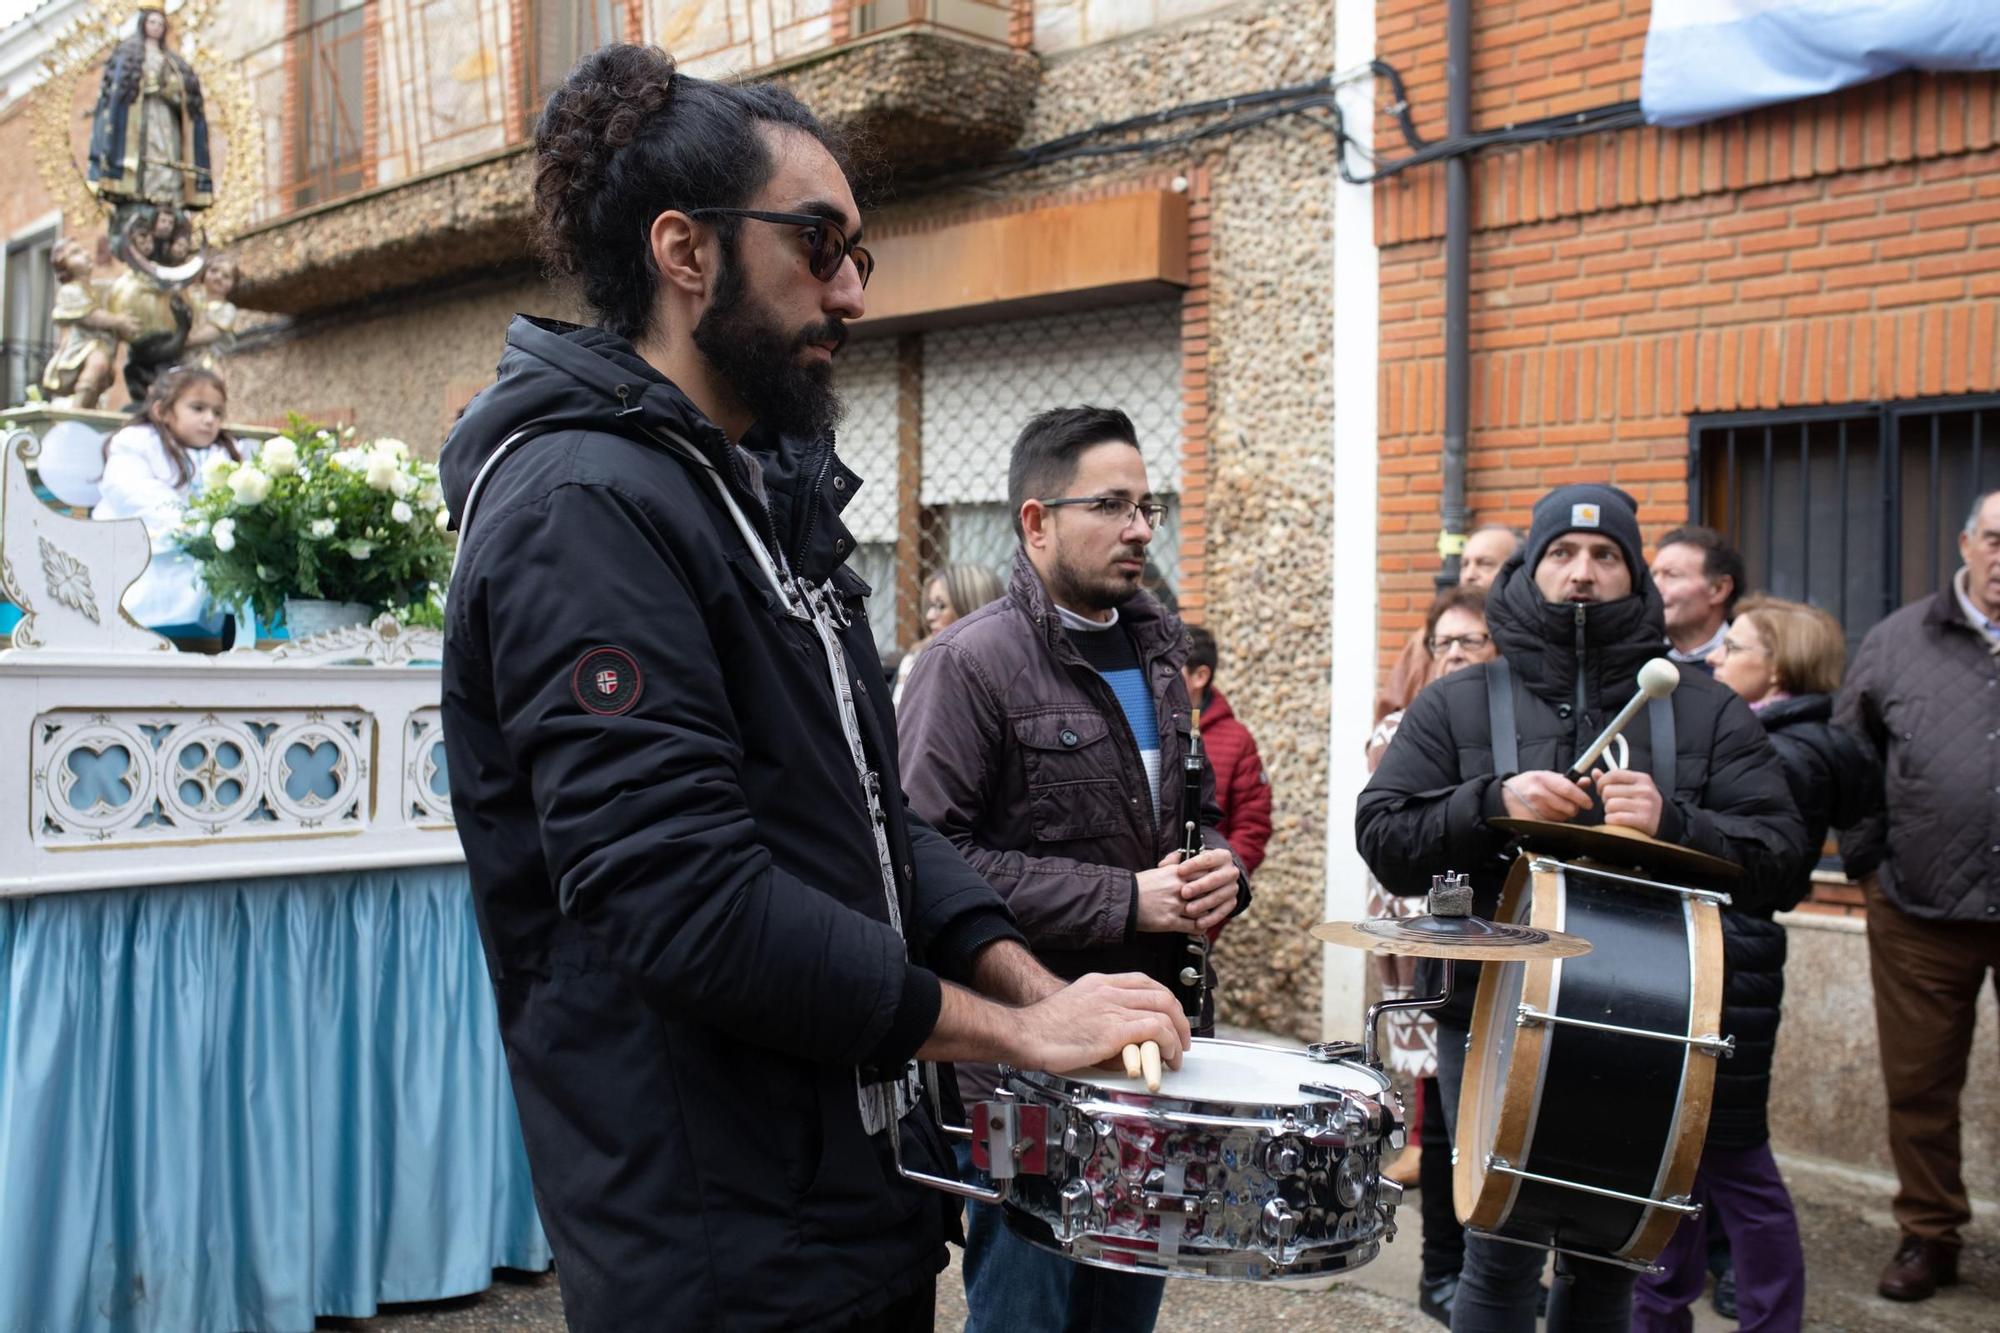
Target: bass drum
x=1588, y=1080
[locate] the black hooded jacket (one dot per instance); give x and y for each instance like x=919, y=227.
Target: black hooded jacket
x=1426, y=808
x=673, y=865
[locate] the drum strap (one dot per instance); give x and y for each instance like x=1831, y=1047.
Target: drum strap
x=1507, y=743
x=1500, y=718
x=1660, y=725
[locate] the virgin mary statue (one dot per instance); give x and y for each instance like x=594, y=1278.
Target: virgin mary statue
x=149, y=134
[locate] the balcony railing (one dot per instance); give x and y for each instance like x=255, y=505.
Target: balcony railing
x=366, y=93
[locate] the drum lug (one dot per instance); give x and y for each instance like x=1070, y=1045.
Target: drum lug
x=1283, y=1157
x=1330, y=1052
x=1009, y=1139
x=1077, y=1211
x=1280, y=1221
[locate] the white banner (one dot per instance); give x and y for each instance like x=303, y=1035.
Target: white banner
x=1710, y=58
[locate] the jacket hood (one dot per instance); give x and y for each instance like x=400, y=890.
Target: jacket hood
x=1539, y=638
x=556, y=376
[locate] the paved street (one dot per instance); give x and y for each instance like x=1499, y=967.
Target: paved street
x=1848, y=1238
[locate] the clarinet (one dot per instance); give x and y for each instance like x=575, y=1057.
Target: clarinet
x=1192, y=980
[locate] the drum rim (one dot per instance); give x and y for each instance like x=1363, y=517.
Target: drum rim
x=1080, y=1092
x=1483, y=1199
x=1683, y=1158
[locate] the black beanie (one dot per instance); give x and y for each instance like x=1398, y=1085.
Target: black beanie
x=1585, y=507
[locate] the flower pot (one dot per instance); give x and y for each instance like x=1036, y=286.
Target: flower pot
x=305, y=616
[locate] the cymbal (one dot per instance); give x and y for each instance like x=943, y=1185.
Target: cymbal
x=1468, y=937
x=1615, y=846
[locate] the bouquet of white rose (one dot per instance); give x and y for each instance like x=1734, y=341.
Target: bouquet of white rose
x=319, y=514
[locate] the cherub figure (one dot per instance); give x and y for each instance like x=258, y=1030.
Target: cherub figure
x=87, y=349
x=215, y=315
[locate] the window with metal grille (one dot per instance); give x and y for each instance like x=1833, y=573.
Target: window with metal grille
x=330, y=150
x=29, y=336
x=555, y=35
x=981, y=20
x=1856, y=509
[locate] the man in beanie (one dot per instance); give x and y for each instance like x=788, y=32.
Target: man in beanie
x=1574, y=616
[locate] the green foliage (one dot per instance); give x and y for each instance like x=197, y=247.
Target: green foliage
x=319, y=514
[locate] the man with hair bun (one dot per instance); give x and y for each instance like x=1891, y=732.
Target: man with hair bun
x=727, y=955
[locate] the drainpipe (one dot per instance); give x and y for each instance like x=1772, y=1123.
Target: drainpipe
x=1457, y=289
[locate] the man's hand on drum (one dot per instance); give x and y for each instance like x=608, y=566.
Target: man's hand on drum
x=1191, y=896
x=1541, y=794
x=1630, y=799
x=1094, y=1018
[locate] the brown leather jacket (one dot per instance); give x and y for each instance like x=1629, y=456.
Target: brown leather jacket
x=1019, y=753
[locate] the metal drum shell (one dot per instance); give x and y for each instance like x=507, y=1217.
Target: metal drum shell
x=1235, y=1141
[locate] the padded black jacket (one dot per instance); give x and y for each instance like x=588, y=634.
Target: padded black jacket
x=672, y=861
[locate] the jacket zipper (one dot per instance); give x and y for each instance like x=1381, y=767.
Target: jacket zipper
x=1582, y=694
x=812, y=503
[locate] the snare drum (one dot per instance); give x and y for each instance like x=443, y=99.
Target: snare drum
x=1251, y=1163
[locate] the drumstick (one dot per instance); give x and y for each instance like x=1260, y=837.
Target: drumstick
x=1149, y=1060
x=1656, y=681
x=1131, y=1054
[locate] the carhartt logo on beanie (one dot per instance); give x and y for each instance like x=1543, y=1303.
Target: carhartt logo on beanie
x=1586, y=508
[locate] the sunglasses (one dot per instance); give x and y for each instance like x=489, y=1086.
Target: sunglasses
x=826, y=243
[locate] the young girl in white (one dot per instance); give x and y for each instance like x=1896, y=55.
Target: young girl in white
x=151, y=467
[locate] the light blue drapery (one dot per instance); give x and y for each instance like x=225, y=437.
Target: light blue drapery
x=237, y=1105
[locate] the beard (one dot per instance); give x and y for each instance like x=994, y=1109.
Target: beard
x=1100, y=589
x=760, y=362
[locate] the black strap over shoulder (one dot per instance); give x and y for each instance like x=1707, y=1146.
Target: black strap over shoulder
x=1660, y=722
x=1500, y=718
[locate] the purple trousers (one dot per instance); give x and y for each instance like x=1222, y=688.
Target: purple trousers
x=1741, y=1191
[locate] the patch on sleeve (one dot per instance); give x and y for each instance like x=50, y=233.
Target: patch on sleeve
x=606, y=681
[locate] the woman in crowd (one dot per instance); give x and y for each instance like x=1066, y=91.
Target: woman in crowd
x=1455, y=636
x=954, y=591
x=151, y=467
x=1785, y=659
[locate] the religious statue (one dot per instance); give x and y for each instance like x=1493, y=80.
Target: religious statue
x=214, y=334
x=149, y=133
x=87, y=345
x=148, y=293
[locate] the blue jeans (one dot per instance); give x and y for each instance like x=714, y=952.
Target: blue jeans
x=1014, y=1287
x=1498, y=1284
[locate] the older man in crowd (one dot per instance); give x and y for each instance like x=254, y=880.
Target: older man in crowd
x=1925, y=692
x=1700, y=578
x=1492, y=546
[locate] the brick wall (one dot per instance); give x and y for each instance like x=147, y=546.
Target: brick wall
x=1841, y=249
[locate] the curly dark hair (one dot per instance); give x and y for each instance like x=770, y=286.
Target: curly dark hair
x=129, y=62
x=628, y=137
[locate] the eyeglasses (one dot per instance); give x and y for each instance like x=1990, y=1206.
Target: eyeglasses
x=825, y=240
x=1729, y=645
x=1472, y=643
x=1115, y=507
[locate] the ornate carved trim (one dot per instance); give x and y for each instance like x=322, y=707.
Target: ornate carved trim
x=386, y=642
x=68, y=579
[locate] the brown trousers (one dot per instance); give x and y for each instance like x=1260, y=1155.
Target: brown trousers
x=1927, y=977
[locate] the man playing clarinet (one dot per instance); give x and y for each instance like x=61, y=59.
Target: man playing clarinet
x=1574, y=615
x=1046, y=735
